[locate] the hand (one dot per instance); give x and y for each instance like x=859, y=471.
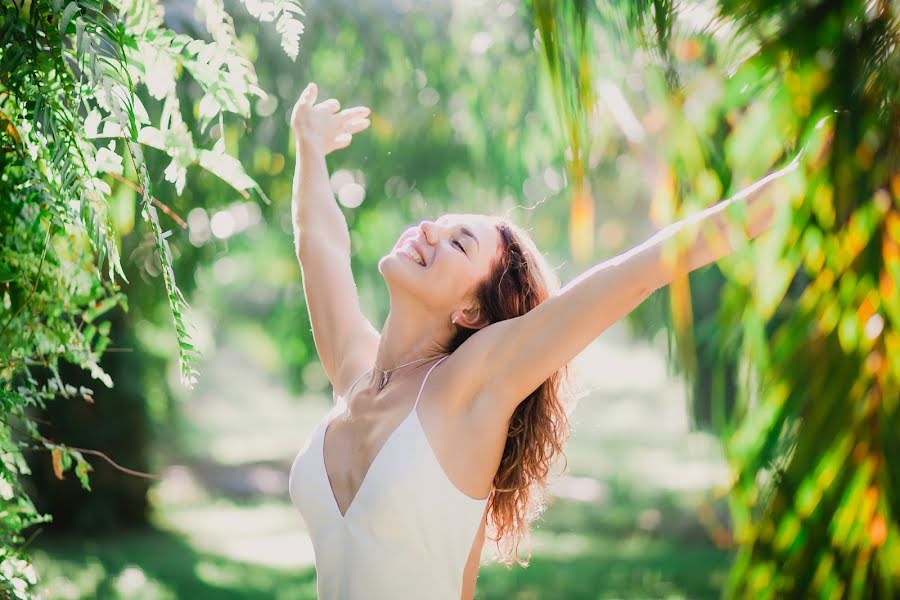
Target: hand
x=321, y=126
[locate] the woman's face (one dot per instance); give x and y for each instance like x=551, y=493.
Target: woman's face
x=458, y=252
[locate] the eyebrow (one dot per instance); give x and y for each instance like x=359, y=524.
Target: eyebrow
x=467, y=232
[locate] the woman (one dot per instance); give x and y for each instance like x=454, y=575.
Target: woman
x=447, y=422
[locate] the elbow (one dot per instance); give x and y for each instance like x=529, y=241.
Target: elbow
x=310, y=244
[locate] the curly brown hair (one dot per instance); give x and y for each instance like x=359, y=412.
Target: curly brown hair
x=519, y=280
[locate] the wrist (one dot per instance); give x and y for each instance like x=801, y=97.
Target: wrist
x=307, y=148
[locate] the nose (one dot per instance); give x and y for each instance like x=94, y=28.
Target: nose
x=428, y=229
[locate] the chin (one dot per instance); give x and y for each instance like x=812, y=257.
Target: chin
x=400, y=274
x=394, y=269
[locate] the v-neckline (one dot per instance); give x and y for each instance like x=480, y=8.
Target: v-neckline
x=334, y=501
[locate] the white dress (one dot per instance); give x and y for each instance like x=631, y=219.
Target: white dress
x=406, y=534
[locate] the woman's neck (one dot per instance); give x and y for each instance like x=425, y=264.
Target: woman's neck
x=406, y=337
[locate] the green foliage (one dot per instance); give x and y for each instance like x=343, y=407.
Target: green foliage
x=812, y=308
x=71, y=121
x=572, y=85
x=437, y=143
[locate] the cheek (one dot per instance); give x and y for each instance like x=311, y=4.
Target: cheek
x=458, y=278
x=404, y=236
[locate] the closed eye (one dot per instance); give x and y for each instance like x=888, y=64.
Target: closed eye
x=460, y=246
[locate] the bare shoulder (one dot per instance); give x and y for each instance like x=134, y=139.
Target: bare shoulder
x=465, y=373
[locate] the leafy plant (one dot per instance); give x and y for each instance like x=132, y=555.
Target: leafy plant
x=71, y=121
x=812, y=309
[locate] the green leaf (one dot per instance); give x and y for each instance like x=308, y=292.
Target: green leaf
x=79, y=38
x=7, y=273
x=102, y=307
x=67, y=14
x=227, y=168
x=82, y=468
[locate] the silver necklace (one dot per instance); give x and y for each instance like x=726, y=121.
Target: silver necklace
x=386, y=375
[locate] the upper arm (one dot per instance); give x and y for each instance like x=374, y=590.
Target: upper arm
x=345, y=340
x=512, y=358
x=470, y=573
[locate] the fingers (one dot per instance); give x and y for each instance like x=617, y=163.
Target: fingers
x=342, y=140
x=356, y=125
x=309, y=94
x=331, y=105
x=354, y=119
x=357, y=112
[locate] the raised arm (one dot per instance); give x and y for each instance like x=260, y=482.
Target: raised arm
x=345, y=340
x=523, y=352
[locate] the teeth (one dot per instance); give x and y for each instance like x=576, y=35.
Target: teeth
x=413, y=254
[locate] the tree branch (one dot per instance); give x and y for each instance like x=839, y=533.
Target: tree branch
x=162, y=206
x=82, y=450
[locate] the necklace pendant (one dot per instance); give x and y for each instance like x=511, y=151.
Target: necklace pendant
x=384, y=379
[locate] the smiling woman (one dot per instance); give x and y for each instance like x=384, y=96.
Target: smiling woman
x=402, y=480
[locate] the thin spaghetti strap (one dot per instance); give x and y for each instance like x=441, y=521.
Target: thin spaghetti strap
x=352, y=385
x=422, y=387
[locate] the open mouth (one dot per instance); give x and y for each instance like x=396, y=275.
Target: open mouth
x=409, y=251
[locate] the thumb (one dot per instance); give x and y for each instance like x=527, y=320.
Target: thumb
x=310, y=93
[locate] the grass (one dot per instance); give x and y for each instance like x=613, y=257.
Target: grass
x=158, y=565
x=587, y=564
x=623, y=523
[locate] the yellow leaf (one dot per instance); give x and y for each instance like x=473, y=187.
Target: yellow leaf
x=57, y=462
x=895, y=185
x=581, y=225
x=662, y=209
x=10, y=129
x=877, y=530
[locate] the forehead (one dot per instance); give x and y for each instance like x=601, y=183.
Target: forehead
x=481, y=225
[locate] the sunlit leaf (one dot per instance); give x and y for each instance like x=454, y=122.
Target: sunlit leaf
x=57, y=462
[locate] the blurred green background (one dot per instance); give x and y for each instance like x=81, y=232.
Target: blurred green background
x=477, y=106
x=460, y=124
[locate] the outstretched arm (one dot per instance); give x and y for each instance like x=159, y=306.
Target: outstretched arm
x=524, y=351
x=345, y=340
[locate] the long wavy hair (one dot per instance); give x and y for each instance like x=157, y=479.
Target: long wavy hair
x=519, y=280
